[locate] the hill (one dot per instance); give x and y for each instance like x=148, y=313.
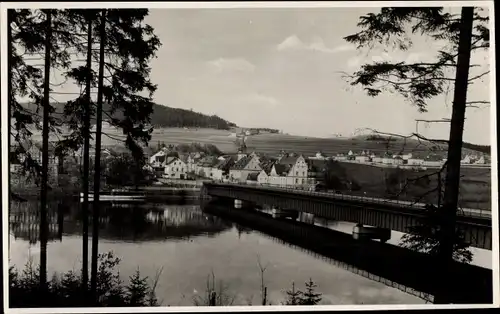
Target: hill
x=165, y=117
x=371, y=181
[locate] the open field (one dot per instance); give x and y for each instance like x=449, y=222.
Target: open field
x=271, y=143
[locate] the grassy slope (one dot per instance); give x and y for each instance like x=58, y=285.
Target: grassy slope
x=475, y=186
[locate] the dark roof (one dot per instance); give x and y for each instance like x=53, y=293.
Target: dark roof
x=267, y=165
x=208, y=161
x=281, y=169
x=288, y=160
x=242, y=163
x=224, y=164
x=170, y=160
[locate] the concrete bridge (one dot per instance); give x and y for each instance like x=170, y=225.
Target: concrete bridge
x=388, y=214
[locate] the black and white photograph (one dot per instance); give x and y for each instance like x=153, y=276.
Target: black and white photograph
x=267, y=155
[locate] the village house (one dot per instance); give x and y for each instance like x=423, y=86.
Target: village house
x=398, y=160
x=289, y=172
x=481, y=161
x=387, y=159
x=340, y=157
x=220, y=170
x=175, y=168
x=362, y=158
x=266, y=165
x=205, y=166
x=244, y=166
x=466, y=160
x=376, y=159
x=318, y=156
x=433, y=161
x=252, y=178
x=158, y=158
x=413, y=161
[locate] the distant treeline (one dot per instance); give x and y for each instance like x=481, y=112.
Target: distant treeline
x=486, y=149
x=264, y=130
x=162, y=116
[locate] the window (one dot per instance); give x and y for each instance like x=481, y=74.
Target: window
x=296, y=173
x=296, y=180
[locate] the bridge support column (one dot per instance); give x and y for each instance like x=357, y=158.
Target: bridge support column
x=238, y=204
x=283, y=213
x=360, y=232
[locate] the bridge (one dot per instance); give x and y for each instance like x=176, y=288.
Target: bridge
x=388, y=214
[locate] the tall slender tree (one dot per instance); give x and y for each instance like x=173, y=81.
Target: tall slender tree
x=45, y=152
x=418, y=82
x=97, y=160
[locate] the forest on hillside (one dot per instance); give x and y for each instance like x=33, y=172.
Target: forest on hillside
x=162, y=116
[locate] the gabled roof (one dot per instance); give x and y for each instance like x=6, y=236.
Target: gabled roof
x=224, y=164
x=289, y=160
x=281, y=169
x=171, y=159
x=242, y=163
x=208, y=161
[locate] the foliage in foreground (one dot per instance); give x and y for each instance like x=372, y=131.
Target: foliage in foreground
x=65, y=290
x=424, y=237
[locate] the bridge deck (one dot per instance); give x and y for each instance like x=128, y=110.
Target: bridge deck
x=389, y=215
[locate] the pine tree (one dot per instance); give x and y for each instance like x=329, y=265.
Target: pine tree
x=294, y=297
x=130, y=45
x=418, y=82
x=310, y=297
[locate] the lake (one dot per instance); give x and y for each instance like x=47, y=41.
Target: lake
x=188, y=245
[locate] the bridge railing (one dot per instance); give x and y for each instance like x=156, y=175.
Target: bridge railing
x=467, y=212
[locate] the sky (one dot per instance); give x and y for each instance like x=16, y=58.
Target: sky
x=280, y=68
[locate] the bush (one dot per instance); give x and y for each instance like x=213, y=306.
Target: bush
x=66, y=290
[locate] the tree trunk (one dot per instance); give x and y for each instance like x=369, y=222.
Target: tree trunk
x=86, y=163
x=97, y=168
x=45, y=154
x=452, y=179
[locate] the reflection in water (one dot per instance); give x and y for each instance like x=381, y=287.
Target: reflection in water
x=150, y=236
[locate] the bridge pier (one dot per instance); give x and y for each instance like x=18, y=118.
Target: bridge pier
x=239, y=204
x=360, y=232
x=283, y=213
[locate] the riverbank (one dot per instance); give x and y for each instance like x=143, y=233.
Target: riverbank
x=151, y=193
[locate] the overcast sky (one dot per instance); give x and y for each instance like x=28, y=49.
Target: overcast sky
x=279, y=68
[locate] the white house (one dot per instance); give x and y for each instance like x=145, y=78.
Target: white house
x=387, y=159
x=415, y=162
x=158, y=158
x=204, y=167
x=220, y=170
x=362, y=158
x=318, y=156
x=466, y=160
x=398, y=160
x=289, y=172
x=481, y=160
x=244, y=166
x=175, y=168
